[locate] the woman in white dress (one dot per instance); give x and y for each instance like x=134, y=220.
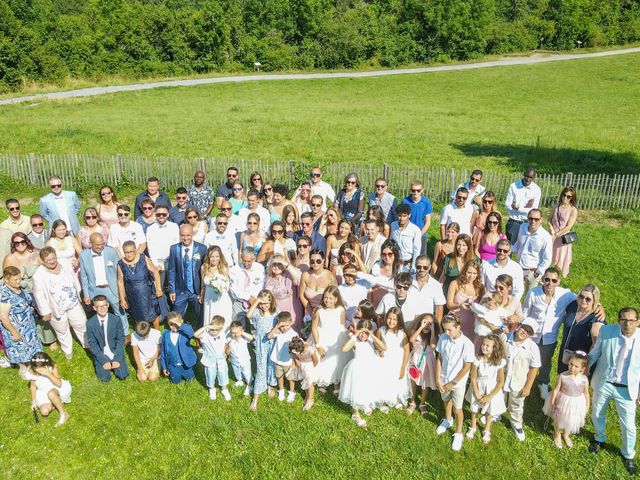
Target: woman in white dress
x=214, y=294
x=329, y=334
x=67, y=247
x=396, y=385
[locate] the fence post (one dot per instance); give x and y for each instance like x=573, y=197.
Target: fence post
x=203, y=165
x=569, y=181
x=32, y=168
x=119, y=167
x=292, y=173
x=385, y=171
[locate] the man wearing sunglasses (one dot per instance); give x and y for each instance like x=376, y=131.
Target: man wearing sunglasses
x=176, y=214
x=522, y=196
x=503, y=265
x=160, y=236
x=253, y=206
x=60, y=204
x=544, y=309
x=225, y=189
x=306, y=222
x=616, y=355
x=533, y=248
x=153, y=193
x=427, y=290
x=421, y=211
x=383, y=199
x=16, y=222
x=458, y=211
x=403, y=297
x=224, y=238
x=476, y=191
x=38, y=235
x=322, y=188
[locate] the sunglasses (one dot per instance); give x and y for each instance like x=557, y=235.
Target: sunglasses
x=268, y=189
x=147, y=208
x=37, y=224
x=56, y=185
x=419, y=190
x=316, y=175
x=19, y=242
x=381, y=186
x=500, y=287
x=237, y=189
x=315, y=262
x=305, y=190
x=191, y=217
x=491, y=222
x=222, y=223
x=305, y=224
x=123, y=214
x=90, y=217
x=231, y=175
x=534, y=219
x=225, y=208
x=303, y=245
x=181, y=197
x=350, y=182
x=502, y=250
x=104, y=194
x=422, y=267
x=461, y=198
x=316, y=205
x=14, y=209
x=475, y=180
x=277, y=232
x=387, y=254
x=550, y=280
x=567, y=196
x=161, y=215
x=487, y=202
x=402, y=287
x=252, y=223
x=586, y=299
x=256, y=179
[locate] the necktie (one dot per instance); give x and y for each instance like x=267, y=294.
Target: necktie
x=621, y=356
x=187, y=265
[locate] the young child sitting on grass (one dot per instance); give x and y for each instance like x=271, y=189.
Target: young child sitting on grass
x=48, y=389
x=145, y=346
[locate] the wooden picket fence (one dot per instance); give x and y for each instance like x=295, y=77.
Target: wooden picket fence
x=598, y=191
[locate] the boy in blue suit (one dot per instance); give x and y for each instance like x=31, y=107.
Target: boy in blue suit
x=177, y=356
x=106, y=339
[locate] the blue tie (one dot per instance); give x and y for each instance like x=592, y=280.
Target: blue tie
x=187, y=265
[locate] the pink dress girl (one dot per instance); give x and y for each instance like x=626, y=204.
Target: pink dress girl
x=571, y=405
x=428, y=369
x=488, y=252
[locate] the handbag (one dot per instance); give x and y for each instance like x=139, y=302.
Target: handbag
x=569, y=237
x=416, y=372
x=566, y=353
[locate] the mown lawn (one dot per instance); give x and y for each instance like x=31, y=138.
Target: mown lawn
x=129, y=430
x=579, y=115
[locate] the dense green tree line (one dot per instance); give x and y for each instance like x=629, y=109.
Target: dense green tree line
x=50, y=40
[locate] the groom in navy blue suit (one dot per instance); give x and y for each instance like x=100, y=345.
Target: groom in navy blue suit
x=183, y=272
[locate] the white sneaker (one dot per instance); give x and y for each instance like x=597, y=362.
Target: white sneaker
x=212, y=393
x=226, y=395
x=291, y=396
x=281, y=395
x=63, y=419
x=4, y=363
x=384, y=409
x=544, y=390
x=247, y=391
x=239, y=383
x=471, y=433
x=456, y=445
x=519, y=433
x=443, y=427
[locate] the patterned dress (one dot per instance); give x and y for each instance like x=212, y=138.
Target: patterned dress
x=265, y=374
x=143, y=304
x=22, y=318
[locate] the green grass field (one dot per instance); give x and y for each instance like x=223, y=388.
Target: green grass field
x=579, y=115
x=130, y=430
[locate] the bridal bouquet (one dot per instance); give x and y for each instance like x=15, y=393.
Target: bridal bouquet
x=219, y=283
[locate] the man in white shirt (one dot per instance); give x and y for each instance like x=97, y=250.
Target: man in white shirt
x=534, y=249
x=371, y=244
x=125, y=230
x=254, y=207
x=404, y=297
x=353, y=291
x=407, y=235
x=616, y=355
x=247, y=279
x=38, y=235
x=382, y=198
x=60, y=204
x=223, y=238
x=459, y=212
x=503, y=265
x=544, y=309
x=160, y=236
x=427, y=290
x=476, y=191
x=234, y=226
x=322, y=188
x=16, y=222
x=522, y=196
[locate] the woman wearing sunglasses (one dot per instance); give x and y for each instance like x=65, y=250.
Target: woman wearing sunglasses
x=200, y=227
x=238, y=197
x=314, y=282
x=277, y=244
x=351, y=199
x=91, y=224
x=479, y=217
x=562, y=219
x=486, y=242
x=107, y=207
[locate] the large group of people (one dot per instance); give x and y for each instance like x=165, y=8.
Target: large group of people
x=331, y=291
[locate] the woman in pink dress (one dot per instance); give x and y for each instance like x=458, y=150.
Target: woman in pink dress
x=92, y=224
x=479, y=218
x=464, y=291
x=108, y=206
x=485, y=243
x=282, y=281
x=562, y=219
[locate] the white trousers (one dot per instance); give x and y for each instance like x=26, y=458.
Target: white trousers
x=77, y=320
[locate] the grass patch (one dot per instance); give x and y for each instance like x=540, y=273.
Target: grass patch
x=575, y=116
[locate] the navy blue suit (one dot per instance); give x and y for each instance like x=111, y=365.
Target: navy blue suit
x=178, y=359
x=115, y=340
x=178, y=281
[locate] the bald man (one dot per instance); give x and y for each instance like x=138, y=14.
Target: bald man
x=183, y=274
x=99, y=276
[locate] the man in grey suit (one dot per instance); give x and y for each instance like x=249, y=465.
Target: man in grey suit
x=616, y=355
x=38, y=234
x=60, y=204
x=99, y=276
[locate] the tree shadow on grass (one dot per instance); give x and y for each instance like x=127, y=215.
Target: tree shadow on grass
x=552, y=160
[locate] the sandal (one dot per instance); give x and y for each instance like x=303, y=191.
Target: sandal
x=411, y=408
x=423, y=409
x=557, y=441
x=384, y=409
x=470, y=433
x=486, y=437
x=254, y=405
x=361, y=422
x=568, y=441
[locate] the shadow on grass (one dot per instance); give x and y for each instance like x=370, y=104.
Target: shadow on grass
x=553, y=160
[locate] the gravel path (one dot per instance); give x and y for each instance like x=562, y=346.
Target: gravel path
x=88, y=92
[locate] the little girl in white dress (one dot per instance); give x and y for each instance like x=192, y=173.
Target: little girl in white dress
x=485, y=390
x=48, y=389
x=396, y=384
x=361, y=383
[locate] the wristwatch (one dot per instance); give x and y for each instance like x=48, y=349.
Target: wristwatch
x=454, y=383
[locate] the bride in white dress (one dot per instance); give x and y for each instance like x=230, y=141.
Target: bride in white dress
x=215, y=288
